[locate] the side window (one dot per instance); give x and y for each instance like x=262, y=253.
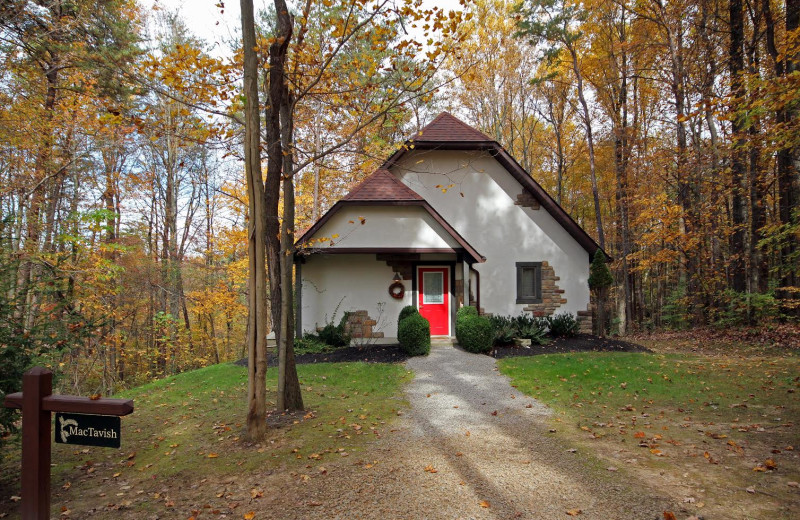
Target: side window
x=529, y=282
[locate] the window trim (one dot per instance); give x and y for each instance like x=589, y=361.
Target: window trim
x=537, y=297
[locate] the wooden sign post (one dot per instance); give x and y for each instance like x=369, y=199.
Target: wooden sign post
x=37, y=402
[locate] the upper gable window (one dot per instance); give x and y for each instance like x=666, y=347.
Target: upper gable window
x=529, y=282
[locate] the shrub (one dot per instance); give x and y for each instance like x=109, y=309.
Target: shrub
x=504, y=330
x=563, y=324
x=334, y=335
x=414, y=335
x=406, y=311
x=310, y=344
x=475, y=333
x=747, y=309
x=466, y=311
x=536, y=331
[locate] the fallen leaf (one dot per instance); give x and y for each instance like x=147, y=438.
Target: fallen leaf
x=250, y=515
x=67, y=485
x=574, y=512
x=669, y=515
x=770, y=464
x=638, y=435
x=430, y=469
x=256, y=493
x=213, y=455
x=485, y=504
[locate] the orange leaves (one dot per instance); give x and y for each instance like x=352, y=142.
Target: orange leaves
x=430, y=469
x=485, y=504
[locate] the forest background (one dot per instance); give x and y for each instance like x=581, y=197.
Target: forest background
x=667, y=130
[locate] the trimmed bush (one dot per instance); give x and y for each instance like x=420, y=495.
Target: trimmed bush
x=406, y=311
x=466, y=311
x=414, y=335
x=563, y=325
x=475, y=334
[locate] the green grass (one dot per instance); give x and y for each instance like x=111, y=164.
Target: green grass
x=184, y=421
x=689, y=421
x=192, y=424
x=612, y=385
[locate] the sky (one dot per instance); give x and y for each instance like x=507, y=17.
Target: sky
x=218, y=25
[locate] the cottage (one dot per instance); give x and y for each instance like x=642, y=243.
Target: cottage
x=450, y=219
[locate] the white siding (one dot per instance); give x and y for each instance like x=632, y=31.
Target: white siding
x=344, y=282
x=384, y=226
x=503, y=232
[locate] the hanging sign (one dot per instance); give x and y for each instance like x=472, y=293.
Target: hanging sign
x=88, y=430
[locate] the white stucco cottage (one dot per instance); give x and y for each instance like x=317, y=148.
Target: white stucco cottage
x=450, y=219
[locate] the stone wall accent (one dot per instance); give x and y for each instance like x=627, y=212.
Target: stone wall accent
x=402, y=264
x=585, y=320
x=552, y=294
x=527, y=200
x=359, y=325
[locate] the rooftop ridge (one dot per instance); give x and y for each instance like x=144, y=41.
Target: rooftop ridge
x=382, y=185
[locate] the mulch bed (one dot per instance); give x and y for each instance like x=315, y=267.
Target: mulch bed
x=393, y=353
x=367, y=354
x=578, y=343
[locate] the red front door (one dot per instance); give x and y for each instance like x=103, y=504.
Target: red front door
x=434, y=298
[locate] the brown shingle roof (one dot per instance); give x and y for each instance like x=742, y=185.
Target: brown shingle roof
x=446, y=127
x=382, y=185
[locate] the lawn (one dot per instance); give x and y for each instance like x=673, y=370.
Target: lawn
x=189, y=427
x=721, y=430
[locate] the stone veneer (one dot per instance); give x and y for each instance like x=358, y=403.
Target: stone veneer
x=359, y=325
x=553, y=298
x=552, y=294
x=585, y=320
x=527, y=200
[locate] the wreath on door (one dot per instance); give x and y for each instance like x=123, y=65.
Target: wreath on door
x=397, y=290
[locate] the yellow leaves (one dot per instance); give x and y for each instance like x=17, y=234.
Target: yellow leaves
x=485, y=504
x=213, y=455
x=574, y=512
x=430, y=469
x=249, y=515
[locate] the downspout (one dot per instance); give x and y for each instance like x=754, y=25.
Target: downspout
x=298, y=297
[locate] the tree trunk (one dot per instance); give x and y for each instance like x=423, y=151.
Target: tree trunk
x=289, y=396
x=601, y=240
x=738, y=275
x=256, y=281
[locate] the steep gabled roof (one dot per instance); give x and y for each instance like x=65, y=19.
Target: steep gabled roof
x=446, y=132
x=384, y=189
x=446, y=127
x=382, y=185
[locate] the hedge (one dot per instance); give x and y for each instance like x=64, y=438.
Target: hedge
x=414, y=335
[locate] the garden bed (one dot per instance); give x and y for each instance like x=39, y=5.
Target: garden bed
x=394, y=354
x=366, y=354
x=577, y=343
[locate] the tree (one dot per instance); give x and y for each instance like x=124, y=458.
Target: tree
x=600, y=280
x=256, y=247
x=551, y=22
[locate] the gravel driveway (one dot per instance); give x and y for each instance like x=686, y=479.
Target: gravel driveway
x=471, y=446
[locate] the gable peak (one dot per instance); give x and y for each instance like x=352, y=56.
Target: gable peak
x=446, y=127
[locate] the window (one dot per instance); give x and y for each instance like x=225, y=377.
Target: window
x=529, y=282
x=433, y=287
